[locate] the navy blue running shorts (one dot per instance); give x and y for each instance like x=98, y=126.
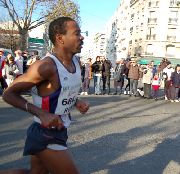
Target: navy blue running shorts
x=38, y=138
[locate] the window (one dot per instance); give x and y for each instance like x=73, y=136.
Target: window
x=173, y=14
x=171, y=36
x=131, y=30
x=173, y=17
x=149, y=49
x=132, y=16
x=151, y=35
x=152, y=14
x=173, y=2
x=154, y=3
x=170, y=50
x=152, y=19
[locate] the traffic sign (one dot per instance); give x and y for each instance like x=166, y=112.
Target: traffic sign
x=35, y=40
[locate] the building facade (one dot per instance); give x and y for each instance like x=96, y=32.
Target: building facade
x=145, y=28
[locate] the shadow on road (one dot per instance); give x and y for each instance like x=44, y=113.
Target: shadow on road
x=99, y=155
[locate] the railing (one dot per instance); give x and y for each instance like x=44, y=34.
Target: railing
x=152, y=20
x=174, y=3
x=153, y=4
x=151, y=37
x=171, y=38
x=173, y=21
x=133, y=1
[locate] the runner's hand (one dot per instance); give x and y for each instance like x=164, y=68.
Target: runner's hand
x=82, y=106
x=50, y=121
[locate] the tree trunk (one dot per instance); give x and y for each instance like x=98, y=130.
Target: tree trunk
x=23, y=39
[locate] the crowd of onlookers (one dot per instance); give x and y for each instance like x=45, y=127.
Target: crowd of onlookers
x=133, y=79
x=129, y=77
x=12, y=66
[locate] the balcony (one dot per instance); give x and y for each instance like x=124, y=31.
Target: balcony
x=132, y=2
x=171, y=38
x=153, y=4
x=149, y=53
x=174, y=3
x=173, y=21
x=151, y=37
x=152, y=20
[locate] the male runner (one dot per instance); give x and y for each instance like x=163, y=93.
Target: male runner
x=55, y=82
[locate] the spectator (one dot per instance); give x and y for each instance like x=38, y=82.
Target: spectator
x=87, y=77
x=156, y=82
x=10, y=70
x=106, y=74
x=2, y=62
x=33, y=58
x=167, y=80
x=133, y=75
x=25, y=59
x=164, y=63
x=146, y=80
x=97, y=74
x=19, y=61
x=127, y=78
x=2, y=55
x=120, y=71
x=175, y=78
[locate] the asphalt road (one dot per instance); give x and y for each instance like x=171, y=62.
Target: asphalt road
x=119, y=135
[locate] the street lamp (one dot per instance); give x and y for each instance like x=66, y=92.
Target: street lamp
x=86, y=32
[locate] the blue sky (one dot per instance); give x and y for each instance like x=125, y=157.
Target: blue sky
x=95, y=14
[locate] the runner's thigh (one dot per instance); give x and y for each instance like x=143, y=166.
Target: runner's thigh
x=37, y=167
x=58, y=162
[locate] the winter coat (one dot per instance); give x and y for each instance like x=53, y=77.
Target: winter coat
x=106, y=67
x=120, y=71
x=10, y=71
x=175, y=78
x=97, y=67
x=147, y=76
x=156, y=83
x=134, y=71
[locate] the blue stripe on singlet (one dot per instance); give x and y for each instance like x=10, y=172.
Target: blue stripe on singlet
x=53, y=100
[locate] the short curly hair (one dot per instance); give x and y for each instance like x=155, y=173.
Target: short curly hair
x=58, y=26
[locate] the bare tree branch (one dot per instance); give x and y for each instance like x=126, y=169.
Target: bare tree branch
x=37, y=12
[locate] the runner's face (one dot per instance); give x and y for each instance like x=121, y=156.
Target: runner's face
x=73, y=40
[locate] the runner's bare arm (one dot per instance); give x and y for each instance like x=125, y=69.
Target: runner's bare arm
x=37, y=73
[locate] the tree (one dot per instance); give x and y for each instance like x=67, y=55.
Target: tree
x=29, y=14
x=9, y=34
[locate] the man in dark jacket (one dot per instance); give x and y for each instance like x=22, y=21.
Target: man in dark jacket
x=106, y=74
x=175, y=78
x=133, y=75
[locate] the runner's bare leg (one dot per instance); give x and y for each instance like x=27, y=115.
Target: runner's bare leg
x=58, y=162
